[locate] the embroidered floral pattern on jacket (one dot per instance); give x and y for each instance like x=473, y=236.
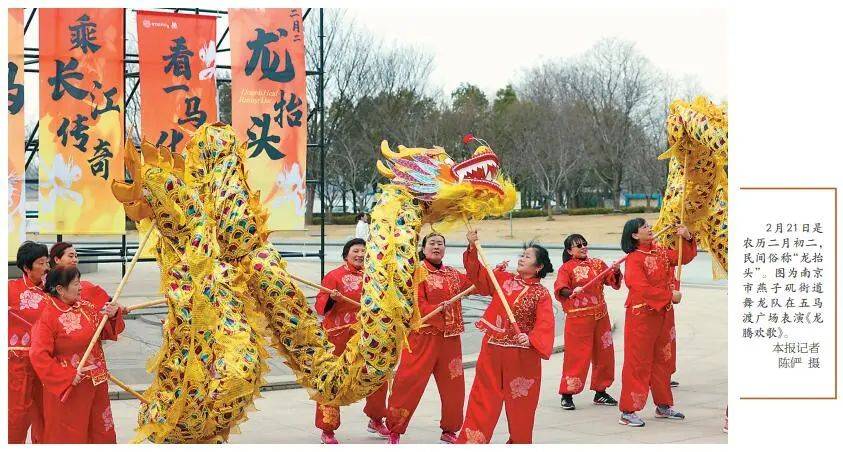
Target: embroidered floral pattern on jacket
x=351, y=283
x=581, y=273
x=511, y=286
x=650, y=264
x=435, y=281
x=70, y=321
x=30, y=299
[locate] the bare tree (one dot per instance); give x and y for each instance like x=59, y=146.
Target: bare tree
x=616, y=86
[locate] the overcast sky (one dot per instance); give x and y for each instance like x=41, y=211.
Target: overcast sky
x=492, y=47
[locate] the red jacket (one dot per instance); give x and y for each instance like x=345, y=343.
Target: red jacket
x=440, y=286
x=60, y=338
x=577, y=273
x=26, y=300
x=533, y=310
x=95, y=294
x=349, y=282
x=649, y=274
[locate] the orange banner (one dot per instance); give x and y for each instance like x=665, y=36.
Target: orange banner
x=81, y=127
x=17, y=198
x=177, y=75
x=269, y=107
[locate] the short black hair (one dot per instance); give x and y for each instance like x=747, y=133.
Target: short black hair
x=28, y=253
x=361, y=215
x=542, y=258
x=628, y=243
x=62, y=276
x=57, y=251
x=347, y=247
x=424, y=242
x=570, y=241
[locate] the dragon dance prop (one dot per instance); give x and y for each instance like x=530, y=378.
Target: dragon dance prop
x=697, y=184
x=228, y=289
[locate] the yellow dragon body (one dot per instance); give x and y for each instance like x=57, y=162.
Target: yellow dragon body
x=229, y=293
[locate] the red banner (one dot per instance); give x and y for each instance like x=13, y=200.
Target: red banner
x=177, y=75
x=80, y=132
x=269, y=107
x=17, y=200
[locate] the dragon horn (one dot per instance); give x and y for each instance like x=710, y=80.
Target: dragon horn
x=123, y=191
x=150, y=153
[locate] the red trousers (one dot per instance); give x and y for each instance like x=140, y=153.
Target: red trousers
x=647, y=364
x=588, y=341
x=328, y=417
x=507, y=376
x=25, y=401
x=85, y=418
x=671, y=318
x=428, y=354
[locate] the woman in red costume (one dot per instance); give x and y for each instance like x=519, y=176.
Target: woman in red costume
x=26, y=301
x=509, y=366
x=60, y=338
x=63, y=253
x=648, y=348
x=339, y=317
x=588, y=331
x=435, y=349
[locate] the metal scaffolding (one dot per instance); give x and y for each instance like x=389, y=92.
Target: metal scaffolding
x=123, y=251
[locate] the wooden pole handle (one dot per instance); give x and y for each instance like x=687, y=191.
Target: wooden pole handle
x=491, y=274
x=105, y=318
x=619, y=261
x=322, y=288
x=146, y=304
x=445, y=304
x=128, y=389
x=679, y=246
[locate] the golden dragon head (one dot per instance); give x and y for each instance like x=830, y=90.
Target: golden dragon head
x=157, y=189
x=450, y=191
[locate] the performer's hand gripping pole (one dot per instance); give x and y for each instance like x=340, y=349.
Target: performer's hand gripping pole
x=322, y=288
x=619, y=261
x=491, y=274
x=446, y=303
x=105, y=318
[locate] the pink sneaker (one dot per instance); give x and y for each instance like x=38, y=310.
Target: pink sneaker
x=393, y=438
x=448, y=438
x=377, y=426
x=329, y=438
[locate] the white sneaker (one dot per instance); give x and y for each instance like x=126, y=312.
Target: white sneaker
x=631, y=419
x=668, y=413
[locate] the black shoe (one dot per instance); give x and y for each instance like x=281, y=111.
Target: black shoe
x=674, y=384
x=602, y=398
x=568, y=402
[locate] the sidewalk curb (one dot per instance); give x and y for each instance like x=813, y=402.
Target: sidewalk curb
x=469, y=362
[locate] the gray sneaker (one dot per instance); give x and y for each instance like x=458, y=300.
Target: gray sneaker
x=631, y=419
x=668, y=413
